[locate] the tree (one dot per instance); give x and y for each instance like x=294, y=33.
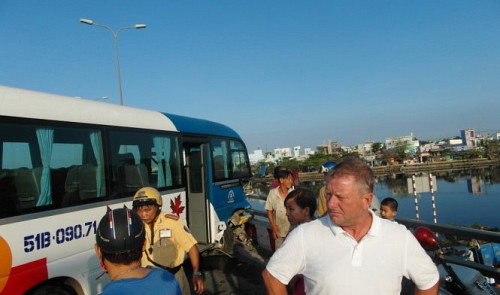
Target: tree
x=377, y=147
x=290, y=163
x=316, y=160
x=446, y=153
x=492, y=149
x=389, y=156
x=475, y=154
x=400, y=150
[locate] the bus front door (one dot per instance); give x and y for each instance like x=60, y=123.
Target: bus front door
x=196, y=199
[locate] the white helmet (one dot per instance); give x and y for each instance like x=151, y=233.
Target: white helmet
x=147, y=196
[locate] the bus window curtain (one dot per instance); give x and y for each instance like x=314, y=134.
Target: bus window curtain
x=96, y=141
x=224, y=155
x=162, y=150
x=45, y=142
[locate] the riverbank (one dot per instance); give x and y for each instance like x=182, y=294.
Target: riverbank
x=435, y=166
x=404, y=169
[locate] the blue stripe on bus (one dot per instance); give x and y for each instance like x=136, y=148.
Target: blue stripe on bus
x=200, y=126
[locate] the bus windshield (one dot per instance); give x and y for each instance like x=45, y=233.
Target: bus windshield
x=230, y=159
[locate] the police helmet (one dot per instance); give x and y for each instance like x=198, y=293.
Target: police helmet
x=147, y=196
x=120, y=231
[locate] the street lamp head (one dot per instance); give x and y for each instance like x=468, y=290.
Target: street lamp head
x=115, y=37
x=86, y=21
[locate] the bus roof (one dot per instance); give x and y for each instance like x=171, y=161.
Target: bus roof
x=201, y=127
x=23, y=103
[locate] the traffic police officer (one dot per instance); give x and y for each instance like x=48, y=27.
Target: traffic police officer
x=167, y=240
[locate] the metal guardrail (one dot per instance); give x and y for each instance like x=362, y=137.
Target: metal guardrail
x=462, y=232
x=257, y=213
x=486, y=270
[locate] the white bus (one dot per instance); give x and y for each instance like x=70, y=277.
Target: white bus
x=63, y=160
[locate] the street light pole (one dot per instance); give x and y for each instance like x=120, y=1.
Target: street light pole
x=115, y=38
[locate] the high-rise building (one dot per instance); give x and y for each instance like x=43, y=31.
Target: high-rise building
x=468, y=137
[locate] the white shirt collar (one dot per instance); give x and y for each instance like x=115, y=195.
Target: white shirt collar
x=373, y=231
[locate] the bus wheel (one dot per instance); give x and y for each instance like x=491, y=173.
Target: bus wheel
x=52, y=290
x=228, y=241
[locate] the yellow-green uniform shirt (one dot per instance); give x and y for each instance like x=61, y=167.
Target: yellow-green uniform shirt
x=322, y=202
x=171, y=241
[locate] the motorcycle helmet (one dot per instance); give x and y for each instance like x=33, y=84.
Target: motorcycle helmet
x=147, y=196
x=120, y=231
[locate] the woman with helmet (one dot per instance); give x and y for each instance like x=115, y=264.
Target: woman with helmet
x=119, y=244
x=168, y=239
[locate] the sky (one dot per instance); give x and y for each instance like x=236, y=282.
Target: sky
x=280, y=73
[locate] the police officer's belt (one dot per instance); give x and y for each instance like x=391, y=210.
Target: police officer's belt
x=172, y=270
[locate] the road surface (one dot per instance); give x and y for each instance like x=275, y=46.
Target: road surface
x=238, y=275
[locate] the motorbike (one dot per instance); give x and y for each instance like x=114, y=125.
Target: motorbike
x=454, y=279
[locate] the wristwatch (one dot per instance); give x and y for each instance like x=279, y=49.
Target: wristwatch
x=197, y=274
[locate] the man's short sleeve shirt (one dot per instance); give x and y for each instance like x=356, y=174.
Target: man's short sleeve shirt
x=275, y=203
x=332, y=262
x=157, y=281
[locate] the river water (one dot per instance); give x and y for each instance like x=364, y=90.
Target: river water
x=464, y=198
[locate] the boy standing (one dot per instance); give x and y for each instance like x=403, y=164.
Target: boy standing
x=389, y=209
x=275, y=207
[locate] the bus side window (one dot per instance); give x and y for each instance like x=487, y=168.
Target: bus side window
x=143, y=159
x=78, y=153
x=130, y=174
x=19, y=181
x=121, y=160
x=27, y=183
x=136, y=176
x=8, y=201
x=88, y=184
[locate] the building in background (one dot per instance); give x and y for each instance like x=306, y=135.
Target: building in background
x=257, y=156
x=468, y=138
x=328, y=148
x=296, y=151
x=281, y=153
x=408, y=140
x=309, y=151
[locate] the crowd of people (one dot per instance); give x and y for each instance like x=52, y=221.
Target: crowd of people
x=120, y=243
x=349, y=249
x=333, y=243
x=144, y=249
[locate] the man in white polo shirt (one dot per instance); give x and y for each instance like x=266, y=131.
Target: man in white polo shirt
x=351, y=250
